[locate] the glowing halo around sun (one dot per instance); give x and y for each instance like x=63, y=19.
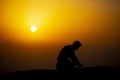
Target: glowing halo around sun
x=33, y=28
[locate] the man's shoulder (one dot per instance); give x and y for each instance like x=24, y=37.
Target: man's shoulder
x=68, y=47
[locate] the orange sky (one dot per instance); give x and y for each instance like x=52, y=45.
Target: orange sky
x=94, y=22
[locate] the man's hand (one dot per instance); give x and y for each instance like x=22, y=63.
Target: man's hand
x=80, y=65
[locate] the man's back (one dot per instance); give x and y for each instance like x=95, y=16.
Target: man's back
x=65, y=53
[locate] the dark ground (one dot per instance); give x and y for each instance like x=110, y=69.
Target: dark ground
x=93, y=73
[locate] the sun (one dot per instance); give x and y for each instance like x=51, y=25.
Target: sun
x=33, y=28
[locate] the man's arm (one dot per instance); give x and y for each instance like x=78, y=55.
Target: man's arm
x=75, y=60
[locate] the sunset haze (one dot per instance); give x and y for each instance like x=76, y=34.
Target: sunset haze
x=95, y=23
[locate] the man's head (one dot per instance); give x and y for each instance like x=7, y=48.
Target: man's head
x=76, y=45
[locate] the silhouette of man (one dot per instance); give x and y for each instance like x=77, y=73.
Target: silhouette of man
x=67, y=59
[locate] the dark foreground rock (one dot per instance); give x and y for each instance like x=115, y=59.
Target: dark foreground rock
x=94, y=73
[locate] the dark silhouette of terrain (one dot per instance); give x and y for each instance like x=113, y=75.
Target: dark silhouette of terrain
x=93, y=73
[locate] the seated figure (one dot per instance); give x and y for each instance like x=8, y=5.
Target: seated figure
x=66, y=59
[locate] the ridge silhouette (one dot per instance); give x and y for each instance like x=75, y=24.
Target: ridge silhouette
x=91, y=73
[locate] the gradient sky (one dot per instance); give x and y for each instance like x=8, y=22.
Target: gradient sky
x=96, y=23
